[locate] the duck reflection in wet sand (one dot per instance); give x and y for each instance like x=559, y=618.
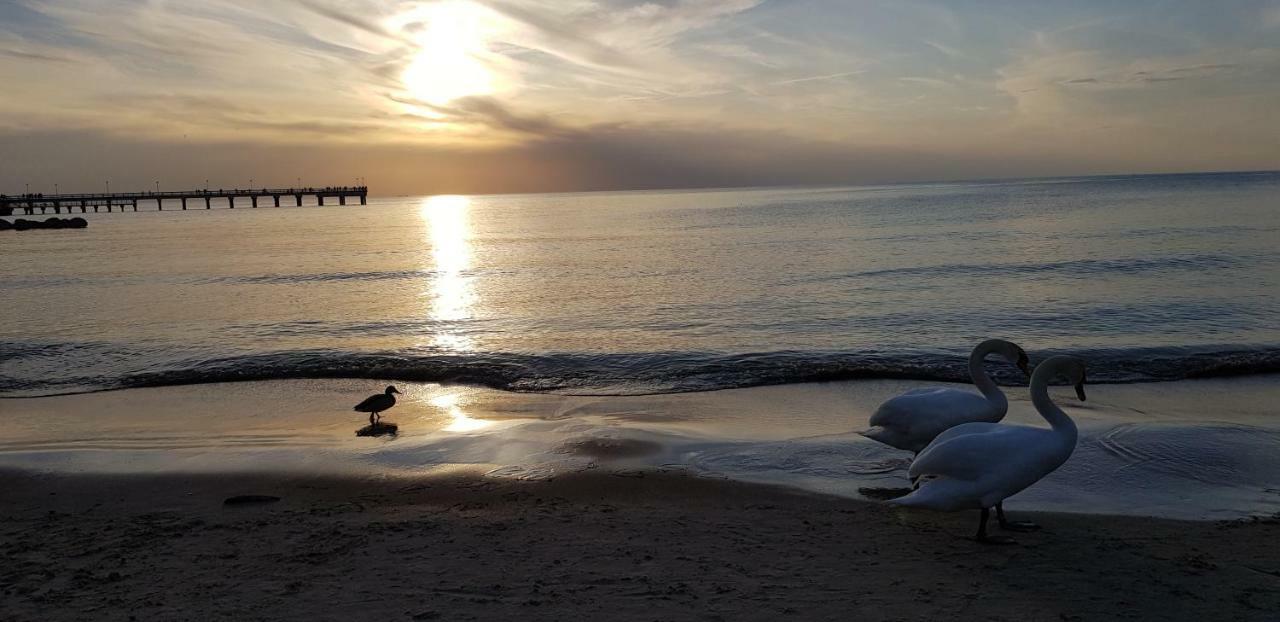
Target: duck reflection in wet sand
x=375, y=405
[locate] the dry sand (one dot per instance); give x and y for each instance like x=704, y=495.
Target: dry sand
x=592, y=546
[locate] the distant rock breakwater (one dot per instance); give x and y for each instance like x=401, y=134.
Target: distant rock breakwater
x=23, y=224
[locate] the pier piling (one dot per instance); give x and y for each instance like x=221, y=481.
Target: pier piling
x=32, y=204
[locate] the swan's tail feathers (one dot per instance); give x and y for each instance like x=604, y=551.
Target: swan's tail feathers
x=916, y=498
x=888, y=436
x=913, y=500
x=877, y=433
x=940, y=493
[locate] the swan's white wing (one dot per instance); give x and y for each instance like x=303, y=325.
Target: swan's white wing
x=958, y=430
x=975, y=450
x=924, y=390
x=911, y=420
x=948, y=406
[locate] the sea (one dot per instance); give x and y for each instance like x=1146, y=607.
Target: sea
x=1149, y=277
x=740, y=333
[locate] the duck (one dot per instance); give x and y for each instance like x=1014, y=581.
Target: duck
x=976, y=466
x=377, y=403
x=912, y=420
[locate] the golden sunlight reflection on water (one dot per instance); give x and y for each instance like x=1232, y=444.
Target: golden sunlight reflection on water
x=458, y=420
x=449, y=291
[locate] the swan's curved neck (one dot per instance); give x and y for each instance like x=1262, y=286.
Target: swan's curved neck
x=978, y=371
x=1061, y=423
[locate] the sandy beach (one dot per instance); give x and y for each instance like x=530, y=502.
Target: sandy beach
x=598, y=545
x=728, y=505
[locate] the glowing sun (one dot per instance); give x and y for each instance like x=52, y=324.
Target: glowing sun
x=451, y=39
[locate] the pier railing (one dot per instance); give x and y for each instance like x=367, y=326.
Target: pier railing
x=31, y=203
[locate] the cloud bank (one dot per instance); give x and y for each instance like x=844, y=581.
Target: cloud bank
x=602, y=94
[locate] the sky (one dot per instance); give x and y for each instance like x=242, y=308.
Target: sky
x=490, y=96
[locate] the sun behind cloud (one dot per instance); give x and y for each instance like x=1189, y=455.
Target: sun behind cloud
x=447, y=64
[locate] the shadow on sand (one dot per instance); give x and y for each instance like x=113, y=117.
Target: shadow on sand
x=381, y=428
x=883, y=494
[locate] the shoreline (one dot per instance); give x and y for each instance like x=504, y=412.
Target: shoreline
x=1225, y=370
x=622, y=546
x=1263, y=374
x=1204, y=450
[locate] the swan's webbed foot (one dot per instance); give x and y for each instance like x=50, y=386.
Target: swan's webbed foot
x=1008, y=525
x=982, y=536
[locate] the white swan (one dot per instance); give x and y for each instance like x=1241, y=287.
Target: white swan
x=976, y=466
x=912, y=420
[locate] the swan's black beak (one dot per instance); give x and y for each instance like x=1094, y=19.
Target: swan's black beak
x=1080, y=390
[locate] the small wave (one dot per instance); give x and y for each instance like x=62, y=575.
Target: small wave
x=1076, y=268
x=1215, y=454
x=36, y=369
x=607, y=448
x=287, y=279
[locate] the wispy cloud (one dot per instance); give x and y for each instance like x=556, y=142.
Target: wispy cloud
x=35, y=56
x=829, y=76
x=354, y=20
x=820, y=76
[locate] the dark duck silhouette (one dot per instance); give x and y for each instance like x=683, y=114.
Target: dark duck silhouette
x=375, y=404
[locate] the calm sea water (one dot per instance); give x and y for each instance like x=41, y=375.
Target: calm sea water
x=1149, y=277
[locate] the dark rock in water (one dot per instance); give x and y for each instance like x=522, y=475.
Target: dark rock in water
x=5, y=225
x=250, y=499
x=23, y=224
x=380, y=428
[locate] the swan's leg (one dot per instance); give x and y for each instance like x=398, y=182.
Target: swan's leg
x=1008, y=525
x=982, y=536
x=370, y=419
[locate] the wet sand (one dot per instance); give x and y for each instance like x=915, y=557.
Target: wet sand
x=597, y=545
x=1200, y=450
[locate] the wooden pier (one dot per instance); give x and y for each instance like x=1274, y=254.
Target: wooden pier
x=44, y=203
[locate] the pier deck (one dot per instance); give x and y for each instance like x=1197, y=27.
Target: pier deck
x=44, y=203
